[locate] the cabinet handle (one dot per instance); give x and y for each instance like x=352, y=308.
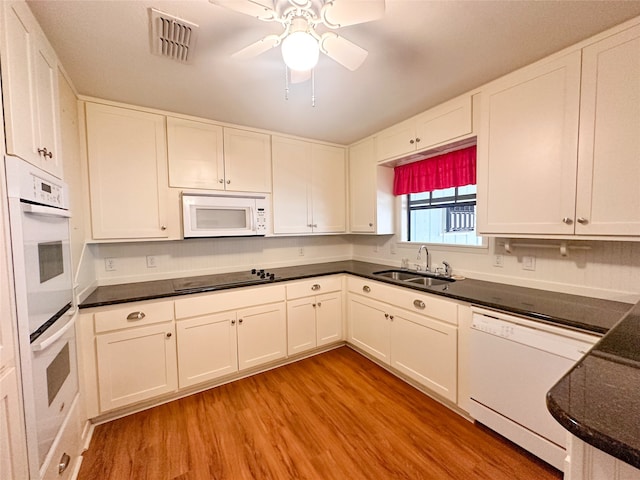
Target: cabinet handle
x=419, y=304
x=45, y=153
x=228, y=182
x=319, y=304
x=240, y=321
x=366, y=288
x=133, y=316
x=567, y=220
x=63, y=463
x=168, y=334
x=315, y=225
x=163, y=227
x=233, y=322
x=386, y=315
x=370, y=224
x=315, y=286
x=582, y=221
x=418, y=140
x=391, y=317
x=220, y=180
x=412, y=141
x=313, y=305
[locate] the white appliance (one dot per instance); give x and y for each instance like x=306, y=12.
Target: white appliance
x=514, y=362
x=225, y=215
x=39, y=222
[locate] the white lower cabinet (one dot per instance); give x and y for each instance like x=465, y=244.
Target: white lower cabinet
x=262, y=335
x=136, y=364
x=13, y=453
x=586, y=462
x=421, y=344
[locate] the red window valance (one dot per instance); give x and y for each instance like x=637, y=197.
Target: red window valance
x=453, y=169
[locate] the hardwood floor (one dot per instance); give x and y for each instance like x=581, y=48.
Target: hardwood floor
x=332, y=416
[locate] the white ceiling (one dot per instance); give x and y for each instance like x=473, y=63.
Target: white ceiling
x=420, y=54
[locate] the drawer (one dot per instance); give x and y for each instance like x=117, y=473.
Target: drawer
x=206, y=303
x=133, y=315
x=406, y=298
x=314, y=286
x=67, y=447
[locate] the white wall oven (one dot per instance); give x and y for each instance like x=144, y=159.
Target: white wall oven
x=39, y=221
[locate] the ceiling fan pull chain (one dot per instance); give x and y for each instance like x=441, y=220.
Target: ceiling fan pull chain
x=313, y=87
x=286, y=82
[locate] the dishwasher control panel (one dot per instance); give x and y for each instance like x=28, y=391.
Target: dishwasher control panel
x=493, y=326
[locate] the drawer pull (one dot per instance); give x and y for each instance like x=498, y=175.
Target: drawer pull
x=315, y=286
x=64, y=463
x=168, y=334
x=419, y=304
x=133, y=316
x=366, y=288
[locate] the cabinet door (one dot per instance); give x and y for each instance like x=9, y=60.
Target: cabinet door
x=328, y=318
x=301, y=325
x=396, y=140
x=291, y=186
x=362, y=187
x=127, y=173
x=13, y=453
x=369, y=326
x=608, y=198
x=444, y=123
x=207, y=348
x=262, y=335
x=527, y=150
x=425, y=350
x=328, y=192
x=136, y=364
x=195, y=153
x=247, y=160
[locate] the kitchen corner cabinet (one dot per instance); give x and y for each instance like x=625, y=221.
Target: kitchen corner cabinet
x=413, y=333
x=30, y=80
x=309, y=189
x=586, y=462
x=527, y=149
x=208, y=156
x=443, y=124
x=128, y=184
x=314, y=313
x=608, y=197
x=136, y=353
x=371, y=201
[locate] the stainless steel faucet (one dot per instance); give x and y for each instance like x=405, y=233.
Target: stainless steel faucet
x=427, y=263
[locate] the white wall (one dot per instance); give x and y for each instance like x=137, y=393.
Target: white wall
x=211, y=255
x=609, y=270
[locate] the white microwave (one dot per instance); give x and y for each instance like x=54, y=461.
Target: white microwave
x=225, y=215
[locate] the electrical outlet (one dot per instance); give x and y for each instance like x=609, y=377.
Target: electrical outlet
x=301, y=251
x=375, y=246
x=110, y=264
x=529, y=263
x=392, y=248
x=498, y=261
x=151, y=261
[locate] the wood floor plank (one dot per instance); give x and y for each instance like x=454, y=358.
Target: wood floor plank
x=333, y=416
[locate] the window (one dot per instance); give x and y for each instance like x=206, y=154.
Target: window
x=446, y=216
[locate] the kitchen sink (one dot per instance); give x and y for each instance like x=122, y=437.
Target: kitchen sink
x=419, y=278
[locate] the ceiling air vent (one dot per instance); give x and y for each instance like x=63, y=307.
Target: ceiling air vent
x=172, y=37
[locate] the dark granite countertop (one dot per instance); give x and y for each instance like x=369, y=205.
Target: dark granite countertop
x=598, y=400
x=573, y=311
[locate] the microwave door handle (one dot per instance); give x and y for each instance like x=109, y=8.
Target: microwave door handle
x=47, y=342
x=42, y=210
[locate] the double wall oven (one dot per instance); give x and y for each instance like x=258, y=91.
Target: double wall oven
x=39, y=221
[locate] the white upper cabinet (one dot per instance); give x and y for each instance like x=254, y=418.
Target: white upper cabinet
x=608, y=197
x=370, y=191
x=527, y=149
x=443, y=124
x=30, y=88
x=309, y=190
x=208, y=156
x=127, y=158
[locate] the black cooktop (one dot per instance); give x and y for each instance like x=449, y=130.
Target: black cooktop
x=204, y=282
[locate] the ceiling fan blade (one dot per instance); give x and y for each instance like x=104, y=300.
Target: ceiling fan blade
x=261, y=9
x=261, y=46
x=346, y=53
x=340, y=13
x=299, y=76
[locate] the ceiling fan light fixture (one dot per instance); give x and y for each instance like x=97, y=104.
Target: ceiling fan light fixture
x=300, y=51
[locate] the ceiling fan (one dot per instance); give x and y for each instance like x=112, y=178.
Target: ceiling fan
x=300, y=40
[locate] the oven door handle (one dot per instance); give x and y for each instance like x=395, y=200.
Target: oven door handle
x=47, y=342
x=43, y=210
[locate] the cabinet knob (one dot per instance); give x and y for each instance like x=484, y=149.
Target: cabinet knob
x=169, y=334
x=370, y=224
x=412, y=141
x=133, y=316
x=419, y=304
x=390, y=317
x=228, y=182
x=240, y=320
x=313, y=305
x=319, y=304
x=418, y=140
x=366, y=288
x=220, y=180
x=582, y=221
x=567, y=220
x=163, y=227
x=386, y=315
x=315, y=286
x=233, y=322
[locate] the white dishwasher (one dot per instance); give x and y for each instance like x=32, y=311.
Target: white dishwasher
x=513, y=364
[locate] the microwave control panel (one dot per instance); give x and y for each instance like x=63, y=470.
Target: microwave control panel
x=261, y=221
